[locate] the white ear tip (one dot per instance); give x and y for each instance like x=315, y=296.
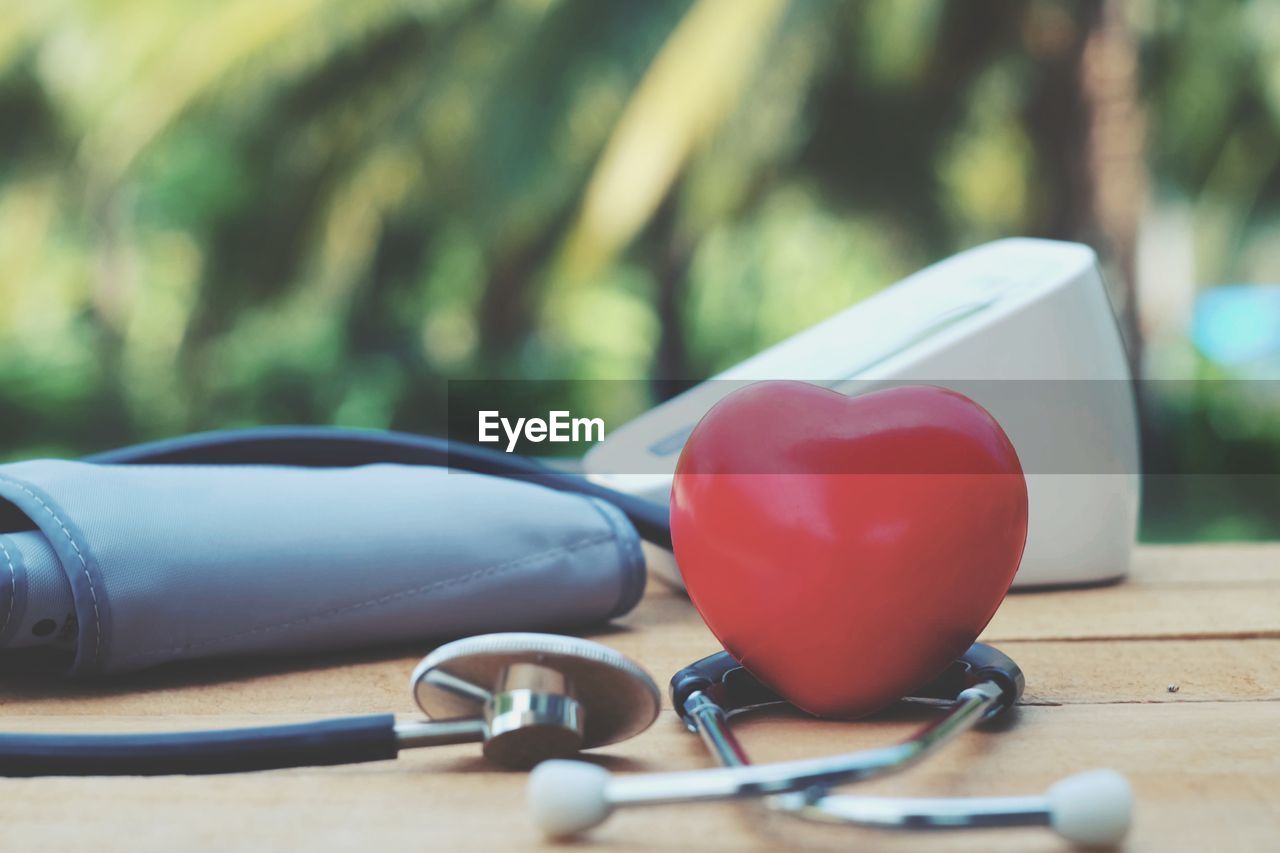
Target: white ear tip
x=567, y=797
x=1092, y=808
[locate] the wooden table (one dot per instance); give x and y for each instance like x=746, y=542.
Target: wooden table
x=1204, y=760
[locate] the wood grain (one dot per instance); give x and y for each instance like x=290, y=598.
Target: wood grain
x=1203, y=760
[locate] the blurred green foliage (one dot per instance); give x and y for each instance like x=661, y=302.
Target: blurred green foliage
x=215, y=214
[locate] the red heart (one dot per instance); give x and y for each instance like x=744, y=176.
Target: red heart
x=846, y=549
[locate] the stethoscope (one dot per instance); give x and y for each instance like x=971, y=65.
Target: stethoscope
x=1092, y=808
x=530, y=698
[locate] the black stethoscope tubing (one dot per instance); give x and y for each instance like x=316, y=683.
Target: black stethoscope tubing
x=347, y=740
x=340, y=447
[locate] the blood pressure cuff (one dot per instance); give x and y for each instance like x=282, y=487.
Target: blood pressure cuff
x=161, y=563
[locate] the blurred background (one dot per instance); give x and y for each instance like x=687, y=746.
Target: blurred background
x=318, y=211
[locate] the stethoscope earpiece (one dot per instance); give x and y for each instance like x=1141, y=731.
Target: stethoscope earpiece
x=1093, y=808
x=566, y=798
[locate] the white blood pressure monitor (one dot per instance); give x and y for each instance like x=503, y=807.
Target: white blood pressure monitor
x=1016, y=309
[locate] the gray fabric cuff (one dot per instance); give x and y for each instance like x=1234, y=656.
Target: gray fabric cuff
x=171, y=562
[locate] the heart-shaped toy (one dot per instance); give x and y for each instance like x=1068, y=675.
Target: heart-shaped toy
x=847, y=549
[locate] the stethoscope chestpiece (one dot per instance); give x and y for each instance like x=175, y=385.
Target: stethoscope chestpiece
x=536, y=696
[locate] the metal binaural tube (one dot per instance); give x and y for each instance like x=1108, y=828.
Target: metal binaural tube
x=757, y=780
x=918, y=812
x=711, y=723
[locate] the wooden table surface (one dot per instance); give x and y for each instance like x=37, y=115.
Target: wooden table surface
x=1204, y=760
